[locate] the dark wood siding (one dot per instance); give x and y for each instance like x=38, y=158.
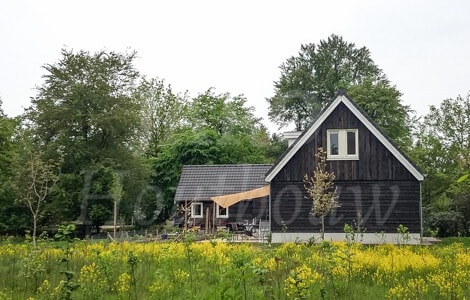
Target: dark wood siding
x=248, y=210
x=375, y=161
x=382, y=206
x=376, y=189
x=242, y=211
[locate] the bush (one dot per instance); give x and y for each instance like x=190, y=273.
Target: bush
x=446, y=223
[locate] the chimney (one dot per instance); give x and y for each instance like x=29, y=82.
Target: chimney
x=291, y=136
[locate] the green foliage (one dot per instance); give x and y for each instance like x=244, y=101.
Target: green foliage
x=163, y=112
x=443, y=136
x=382, y=103
x=88, y=107
x=462, y=178
x=223, y=113
x=34, y=269
x=223, y=131
x=403, y=234
x=443, y=151
x=354, y=232
x=132, y=261
x=14, y=219
x=67, y=286
x=104, y=187
x=275, y=148
x=445, y=223
x=187, y=147
x=99, y=214
x=65, y=232
x=308, y=81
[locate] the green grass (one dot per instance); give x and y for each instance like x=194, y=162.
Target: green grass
x=451, y=240
x=191, y=270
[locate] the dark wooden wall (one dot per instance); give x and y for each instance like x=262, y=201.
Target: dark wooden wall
x=240, y=212
x=375, y=161
x=377, y=185
x=380, y=205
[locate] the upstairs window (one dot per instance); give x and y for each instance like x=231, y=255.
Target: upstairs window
x=222, y=212
x=342, y=144
x=197, y=210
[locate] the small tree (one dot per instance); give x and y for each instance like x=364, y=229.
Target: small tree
x=116, y=192
x=321, y=190
x=35, y=180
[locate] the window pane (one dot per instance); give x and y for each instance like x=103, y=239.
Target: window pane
x=351, y=143
x=222, y=211
x=334, y=143
x=197, y=209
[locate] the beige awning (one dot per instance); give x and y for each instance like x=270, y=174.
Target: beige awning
x=231, y=199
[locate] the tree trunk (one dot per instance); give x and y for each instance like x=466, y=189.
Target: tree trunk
x=114, y=219
x=35, y=221
x=322, y=232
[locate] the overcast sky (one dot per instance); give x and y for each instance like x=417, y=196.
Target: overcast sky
x=422, y=46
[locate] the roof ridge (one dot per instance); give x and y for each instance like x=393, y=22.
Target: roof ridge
x=227, y=165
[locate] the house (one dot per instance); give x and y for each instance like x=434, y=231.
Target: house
x=248, y=200
x=379, y=187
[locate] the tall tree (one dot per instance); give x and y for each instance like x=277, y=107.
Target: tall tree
x=450, y=124
x=443, y=151
x=163, y=112
x=223, y=113
x=241, y=138
x=308, y=81
x=87, y=107
x=444, y=137
x=13, y=218
x=7, y=149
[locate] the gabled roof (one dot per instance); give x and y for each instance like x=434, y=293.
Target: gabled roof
x=201, y=182
x=342, y=97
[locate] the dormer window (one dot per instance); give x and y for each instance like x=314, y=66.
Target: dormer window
x=342, y=144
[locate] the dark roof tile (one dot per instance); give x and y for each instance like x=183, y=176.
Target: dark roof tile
x=200, y=182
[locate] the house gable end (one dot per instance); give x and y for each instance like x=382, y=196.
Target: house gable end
x=374, y=161
x=313, y=134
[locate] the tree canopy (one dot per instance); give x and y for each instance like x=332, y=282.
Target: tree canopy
x=87, y=108
x=383, y=104
x=14, y=218
x=163, y=112
x=443, y=151
x=310, y=79
x=222, y=130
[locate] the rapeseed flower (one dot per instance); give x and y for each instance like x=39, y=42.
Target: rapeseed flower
x=299, y=281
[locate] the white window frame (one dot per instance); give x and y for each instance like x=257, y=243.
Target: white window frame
x=193, y=210
x=218, y=215
x=342, y=144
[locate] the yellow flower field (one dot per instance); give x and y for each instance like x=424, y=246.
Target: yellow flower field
x=219, y=270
